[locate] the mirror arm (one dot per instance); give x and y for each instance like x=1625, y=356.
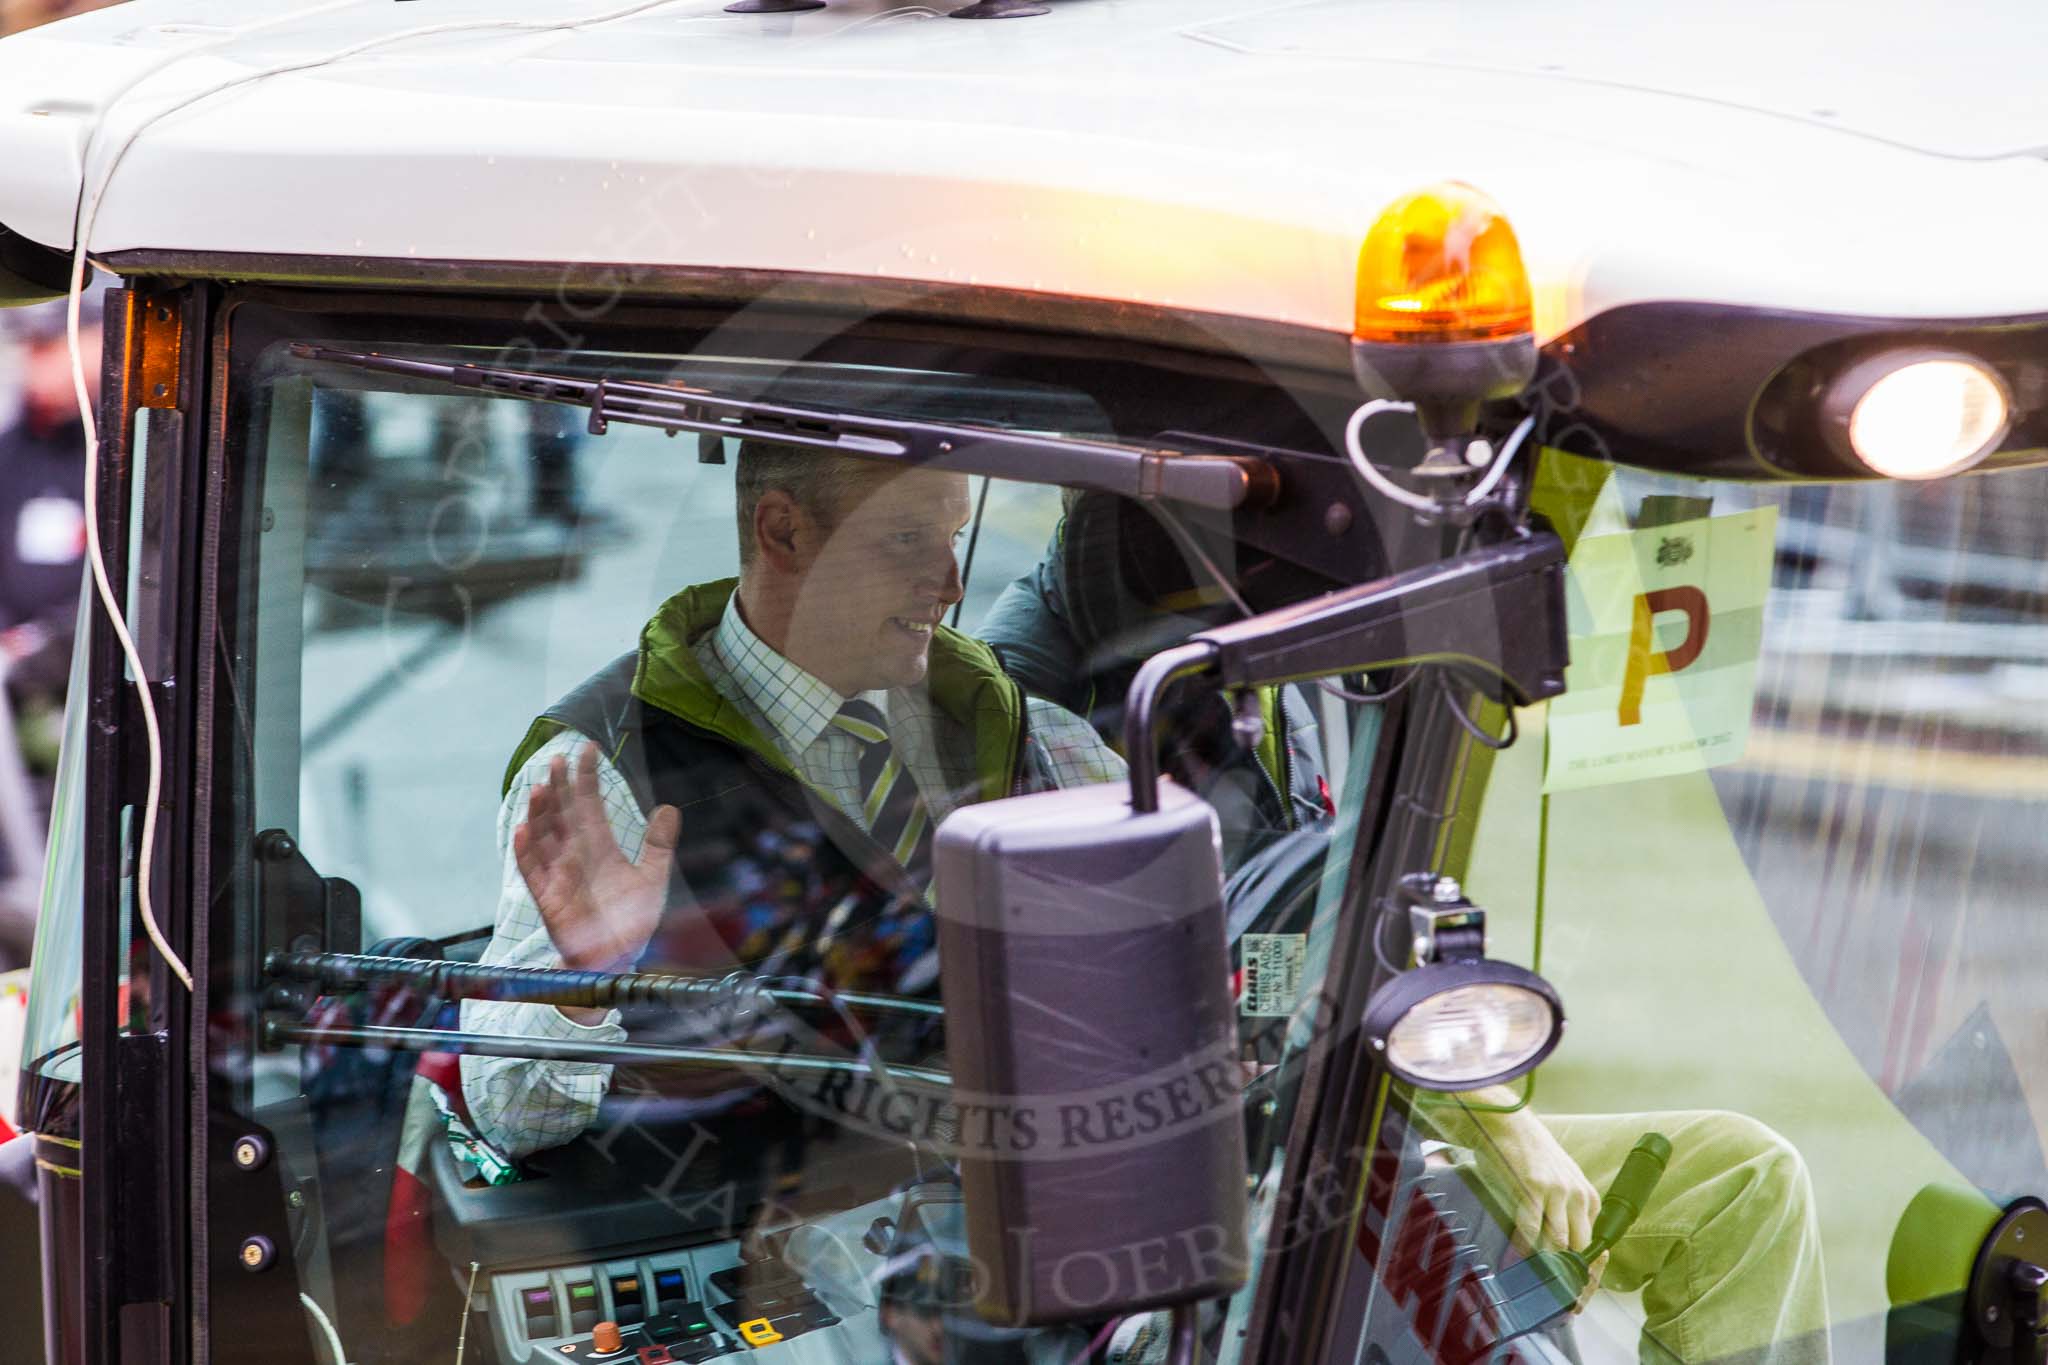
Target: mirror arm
x=1141, y=744
x=1496, y=612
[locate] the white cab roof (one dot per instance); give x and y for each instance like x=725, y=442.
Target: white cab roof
x=1877, y=158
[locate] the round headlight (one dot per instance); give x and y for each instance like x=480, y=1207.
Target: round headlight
x=1918, y=414
x=1462, y=1025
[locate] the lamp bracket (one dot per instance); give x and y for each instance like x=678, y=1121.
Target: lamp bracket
x=1444, y=924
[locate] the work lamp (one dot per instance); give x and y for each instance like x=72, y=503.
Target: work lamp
x=1458, y=1020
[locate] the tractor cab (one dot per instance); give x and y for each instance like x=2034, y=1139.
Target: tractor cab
x=829, y=686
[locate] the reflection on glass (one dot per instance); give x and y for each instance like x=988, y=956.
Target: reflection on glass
x=624, y=705
x=627, y=705
x=1826, y=935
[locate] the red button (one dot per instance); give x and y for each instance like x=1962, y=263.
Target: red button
x=656, y=1355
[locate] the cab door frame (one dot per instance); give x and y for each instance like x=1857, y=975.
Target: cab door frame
x=136, y=1020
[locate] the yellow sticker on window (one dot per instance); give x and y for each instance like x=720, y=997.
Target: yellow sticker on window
x=1665, y=625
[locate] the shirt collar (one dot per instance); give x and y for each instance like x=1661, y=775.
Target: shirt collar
x=796, y=705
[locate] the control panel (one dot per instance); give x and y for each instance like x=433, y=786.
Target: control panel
x=679, y=1308
x=811, y=1294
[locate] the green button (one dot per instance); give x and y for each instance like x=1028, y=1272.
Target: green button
x=582, y=1291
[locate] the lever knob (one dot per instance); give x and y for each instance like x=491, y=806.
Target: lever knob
x=1632, y=1188
x=604, y=1338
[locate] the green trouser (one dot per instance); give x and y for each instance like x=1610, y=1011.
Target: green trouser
x=1727, y=1252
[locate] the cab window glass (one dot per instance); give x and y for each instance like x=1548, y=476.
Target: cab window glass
x=50, y=1044
x=1796, y=954
x=51, y=1030
x=522, y=696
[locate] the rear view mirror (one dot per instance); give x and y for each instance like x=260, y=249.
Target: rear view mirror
x=1093, y=1048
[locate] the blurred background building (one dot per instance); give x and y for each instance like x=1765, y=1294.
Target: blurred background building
x=42, y=562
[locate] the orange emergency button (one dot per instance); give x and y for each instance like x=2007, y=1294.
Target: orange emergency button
x=604, y=1338
x=759, y=1332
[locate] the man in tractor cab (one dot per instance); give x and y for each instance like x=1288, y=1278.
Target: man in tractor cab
x=778, y=748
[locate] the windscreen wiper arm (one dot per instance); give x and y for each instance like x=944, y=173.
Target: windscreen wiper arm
x=1222, y=482
x=560, y=986
x=526, y=1047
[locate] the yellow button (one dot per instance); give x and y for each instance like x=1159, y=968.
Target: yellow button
x=760, y=1332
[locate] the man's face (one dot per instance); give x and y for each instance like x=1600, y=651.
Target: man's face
x=877, y=578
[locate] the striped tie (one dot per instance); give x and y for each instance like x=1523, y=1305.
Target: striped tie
x=891, y=808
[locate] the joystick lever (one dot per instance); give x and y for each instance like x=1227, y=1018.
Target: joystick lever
x=1546, y=1285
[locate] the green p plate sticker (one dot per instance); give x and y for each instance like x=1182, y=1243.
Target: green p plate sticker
x=1272, y=966
x=1665, y=627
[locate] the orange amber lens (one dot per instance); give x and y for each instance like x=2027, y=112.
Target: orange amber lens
x=1442, y=265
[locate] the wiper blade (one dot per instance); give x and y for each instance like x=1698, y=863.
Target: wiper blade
x=1221, y=482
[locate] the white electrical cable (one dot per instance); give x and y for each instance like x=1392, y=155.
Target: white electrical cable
x=1500, y=462
x=86, y=213
x=1370, y=472
x=82, y=215
x=96, y=557
x=326, y=1329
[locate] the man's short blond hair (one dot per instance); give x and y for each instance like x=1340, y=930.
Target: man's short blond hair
x=820, y=482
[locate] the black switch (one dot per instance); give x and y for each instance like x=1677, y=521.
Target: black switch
x=583, y=1307
x=540, y=1313
x=662, y=1328
x=694, y=1320
x=627, y=1304
x=671, y=1290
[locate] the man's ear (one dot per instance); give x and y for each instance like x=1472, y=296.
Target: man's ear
x=778, y=531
